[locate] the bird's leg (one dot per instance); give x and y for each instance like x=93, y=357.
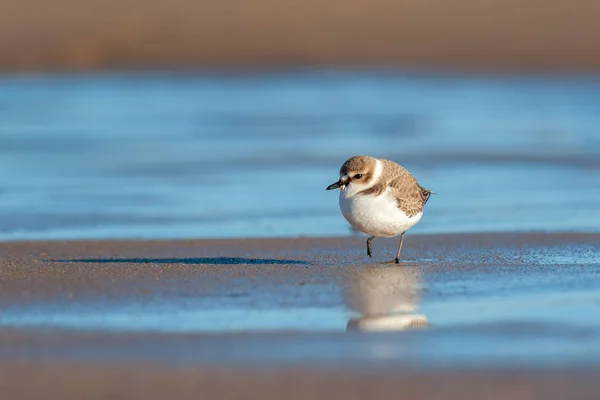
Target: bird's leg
x=369, y=252
x=400, y=248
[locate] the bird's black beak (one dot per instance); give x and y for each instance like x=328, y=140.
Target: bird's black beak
x=336, y=185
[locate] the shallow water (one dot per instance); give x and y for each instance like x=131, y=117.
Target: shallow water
x=565, y=296
x=487, y=300
x=553, y=325
x=217, y=155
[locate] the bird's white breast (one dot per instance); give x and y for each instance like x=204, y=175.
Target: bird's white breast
x=376, y=215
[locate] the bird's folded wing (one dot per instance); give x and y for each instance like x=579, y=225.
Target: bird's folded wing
x=409, y=196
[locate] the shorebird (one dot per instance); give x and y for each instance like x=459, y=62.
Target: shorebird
x=380, y=198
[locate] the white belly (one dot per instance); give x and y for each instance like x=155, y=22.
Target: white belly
x=376, y=215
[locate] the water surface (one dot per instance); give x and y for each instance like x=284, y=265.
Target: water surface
x=225, y=155
x=522, y=306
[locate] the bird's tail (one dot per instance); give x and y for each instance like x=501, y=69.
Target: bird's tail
x=426, y=194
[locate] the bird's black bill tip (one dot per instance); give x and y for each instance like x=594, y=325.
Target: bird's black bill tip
x=336, y=185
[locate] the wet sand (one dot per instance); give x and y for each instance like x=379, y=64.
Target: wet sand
x=494, y=35
x=495, y=355
x=76, y=381
x=40, y=270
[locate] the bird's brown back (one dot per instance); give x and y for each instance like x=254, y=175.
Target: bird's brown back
x=410, y=196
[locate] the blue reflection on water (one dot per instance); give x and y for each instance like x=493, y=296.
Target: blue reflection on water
x=217, y=155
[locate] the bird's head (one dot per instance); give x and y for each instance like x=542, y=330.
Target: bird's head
x=358, y=173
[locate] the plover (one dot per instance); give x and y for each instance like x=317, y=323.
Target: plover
x=380, y=198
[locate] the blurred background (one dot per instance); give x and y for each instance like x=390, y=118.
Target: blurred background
x=229, y=118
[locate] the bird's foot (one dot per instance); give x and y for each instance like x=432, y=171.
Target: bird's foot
x=394, y=261
x=369, y=252
x=402, y=263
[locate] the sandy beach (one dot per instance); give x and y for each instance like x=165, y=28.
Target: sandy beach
x=76, y=319
x=135, y=149
x=486, y=36
x=72, y=381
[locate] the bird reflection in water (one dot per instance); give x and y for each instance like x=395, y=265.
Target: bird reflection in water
x=386, y=297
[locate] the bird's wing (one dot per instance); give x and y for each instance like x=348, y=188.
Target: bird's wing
x=409, y=195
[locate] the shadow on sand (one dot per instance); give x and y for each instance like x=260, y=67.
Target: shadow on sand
x=199, y=261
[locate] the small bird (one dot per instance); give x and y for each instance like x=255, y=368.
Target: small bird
x=380, y=198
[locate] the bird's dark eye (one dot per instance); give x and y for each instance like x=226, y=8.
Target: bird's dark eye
x=357, y=176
